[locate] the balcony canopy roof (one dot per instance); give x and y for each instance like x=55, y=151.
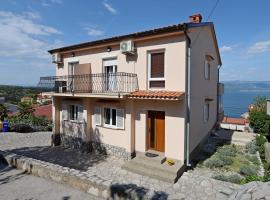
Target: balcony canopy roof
x=163, y=95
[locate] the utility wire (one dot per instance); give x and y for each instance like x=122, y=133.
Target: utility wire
x=208, y=17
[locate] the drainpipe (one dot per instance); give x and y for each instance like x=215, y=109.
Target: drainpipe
x=218, y=96
x=188, y=40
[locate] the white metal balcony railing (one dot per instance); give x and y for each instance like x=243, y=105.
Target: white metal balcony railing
x=119, y=82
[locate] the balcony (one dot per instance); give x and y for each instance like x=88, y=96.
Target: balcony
x=101, y=83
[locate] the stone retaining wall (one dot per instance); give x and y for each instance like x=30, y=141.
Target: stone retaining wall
x=97, y=147
x=74, y=178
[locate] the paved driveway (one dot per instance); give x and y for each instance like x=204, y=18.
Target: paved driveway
x=108, y=169
x=14, y=184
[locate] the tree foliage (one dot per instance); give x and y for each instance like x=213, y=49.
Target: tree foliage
x=25, y=109
x=258, y=118
x=3, y=112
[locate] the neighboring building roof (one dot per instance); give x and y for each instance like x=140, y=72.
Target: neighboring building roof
x=146, y=94
x=45, y=111
x=162, y=30
x=230, y=120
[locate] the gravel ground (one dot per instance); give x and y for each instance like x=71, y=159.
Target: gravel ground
x=14, y=184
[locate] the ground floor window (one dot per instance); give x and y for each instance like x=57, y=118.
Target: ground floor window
x=113, y=118
x=75, y=112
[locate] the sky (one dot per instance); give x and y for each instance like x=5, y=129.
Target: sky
x=29, y=28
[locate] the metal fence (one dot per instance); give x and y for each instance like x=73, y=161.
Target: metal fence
x=119, y=82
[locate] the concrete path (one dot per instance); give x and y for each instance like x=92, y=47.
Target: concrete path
x=236, y=137
x=14, y=184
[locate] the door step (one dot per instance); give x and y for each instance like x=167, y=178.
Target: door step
x=155, y=167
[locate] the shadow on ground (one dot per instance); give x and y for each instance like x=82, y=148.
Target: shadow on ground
x=65, y=157
x=216, y=140
x=4, y=168
x=132, y=191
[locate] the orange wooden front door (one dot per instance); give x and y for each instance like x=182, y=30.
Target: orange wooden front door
x=156, y=130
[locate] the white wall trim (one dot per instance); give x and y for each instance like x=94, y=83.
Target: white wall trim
x=72, y=59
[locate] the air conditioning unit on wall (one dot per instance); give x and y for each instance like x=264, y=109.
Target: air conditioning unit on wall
x=127, y=47
x=56, y=58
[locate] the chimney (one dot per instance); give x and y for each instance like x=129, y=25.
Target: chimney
x=196, y=18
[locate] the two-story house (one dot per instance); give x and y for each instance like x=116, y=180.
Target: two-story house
x=154, y=91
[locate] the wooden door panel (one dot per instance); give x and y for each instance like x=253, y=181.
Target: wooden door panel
x=160, y=130
x=156, y=130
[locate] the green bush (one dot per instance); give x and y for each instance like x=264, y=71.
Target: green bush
x=234, y=178
x=253, y=159
x=213, y=163
x=226, y=160
x=227, y=150
x=251, y=178
x=251, y=147
x=260, y=141
x=36, y=123
x=248, y=170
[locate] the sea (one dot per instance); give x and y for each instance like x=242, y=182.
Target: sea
x=236, y=103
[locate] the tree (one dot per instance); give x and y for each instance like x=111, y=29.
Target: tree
x=25, y=109
x=260, y=103
x=258, y=118
x=3, y=112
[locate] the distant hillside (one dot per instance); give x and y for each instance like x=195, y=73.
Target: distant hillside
x=247, y=86
x=13, y=94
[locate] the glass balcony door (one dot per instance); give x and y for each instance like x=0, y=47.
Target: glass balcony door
x=71, y=73
x=110, y=69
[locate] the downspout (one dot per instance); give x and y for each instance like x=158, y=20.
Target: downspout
x=218, y=96
x=187, y=96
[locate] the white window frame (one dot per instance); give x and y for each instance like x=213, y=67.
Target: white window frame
x=206, y=108
x=111, y=125
x=149, y=68
x=76, y=107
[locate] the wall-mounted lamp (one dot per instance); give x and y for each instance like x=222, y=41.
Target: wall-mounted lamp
x=109, y=49
x=73, y=54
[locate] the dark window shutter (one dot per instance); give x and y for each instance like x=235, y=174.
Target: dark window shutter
x=157, y=65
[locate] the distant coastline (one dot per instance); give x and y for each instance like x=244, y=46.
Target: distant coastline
x=238, y=95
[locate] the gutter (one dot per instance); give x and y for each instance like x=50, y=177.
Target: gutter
x=187, y=124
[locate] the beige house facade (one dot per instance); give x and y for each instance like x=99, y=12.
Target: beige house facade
x=151, y=91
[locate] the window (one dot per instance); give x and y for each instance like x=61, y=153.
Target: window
x=206, y=70
x=114, y=118
x=75, y=112
x=206, y=111
x=156, y=70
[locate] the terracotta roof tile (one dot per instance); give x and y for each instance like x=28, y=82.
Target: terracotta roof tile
x=45, y=111
x=147, y=94
x=230, y=120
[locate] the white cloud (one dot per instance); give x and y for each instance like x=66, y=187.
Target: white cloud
x=259, y=47
x=32, y=15
x=46, y=3
x=23, y=37
x=225, y=49
x=94, y=32
x=109, y=7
